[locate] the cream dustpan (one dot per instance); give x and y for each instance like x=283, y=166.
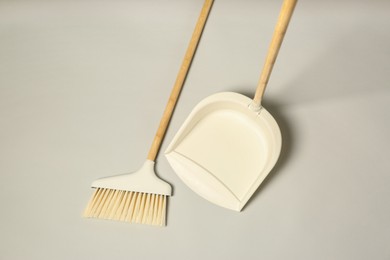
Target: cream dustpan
x=229, y=143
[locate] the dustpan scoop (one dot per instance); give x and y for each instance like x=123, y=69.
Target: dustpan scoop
x=229, y=143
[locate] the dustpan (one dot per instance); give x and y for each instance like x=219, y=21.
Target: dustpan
x=229, y=143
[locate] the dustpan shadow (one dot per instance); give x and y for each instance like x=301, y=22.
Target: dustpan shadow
x=286, y=150
x=287, y=142
x=350, y=77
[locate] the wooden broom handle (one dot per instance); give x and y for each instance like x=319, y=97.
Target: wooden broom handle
x=179, y=80
x=280, y=29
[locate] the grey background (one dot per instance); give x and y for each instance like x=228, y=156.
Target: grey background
x=82, y=88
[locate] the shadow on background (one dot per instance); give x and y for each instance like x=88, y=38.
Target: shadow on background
x=287, y=142
x=346, y=67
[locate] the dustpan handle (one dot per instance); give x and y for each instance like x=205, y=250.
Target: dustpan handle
x=179, y=80
x=280, y=29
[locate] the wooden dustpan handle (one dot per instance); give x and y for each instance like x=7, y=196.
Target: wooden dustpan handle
x=280, y=29
x=179, y=80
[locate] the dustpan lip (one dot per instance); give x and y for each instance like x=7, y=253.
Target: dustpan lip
x=233, y=97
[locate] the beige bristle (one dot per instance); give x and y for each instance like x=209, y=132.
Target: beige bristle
x=129, y=206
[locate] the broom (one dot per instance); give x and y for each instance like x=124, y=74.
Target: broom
x=141, y=197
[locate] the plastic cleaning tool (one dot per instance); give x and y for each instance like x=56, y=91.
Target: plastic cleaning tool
x=141, y=196
x=229, y=143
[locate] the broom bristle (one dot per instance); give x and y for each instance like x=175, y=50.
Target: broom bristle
x=129, y=206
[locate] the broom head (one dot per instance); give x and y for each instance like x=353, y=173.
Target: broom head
x=138, y=197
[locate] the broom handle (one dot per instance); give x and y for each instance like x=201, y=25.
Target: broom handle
x=280, y=29
x=179, y=81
